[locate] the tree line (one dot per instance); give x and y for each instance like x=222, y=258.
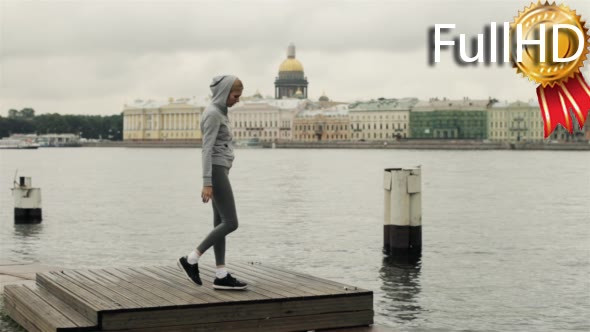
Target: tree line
x=87, y=126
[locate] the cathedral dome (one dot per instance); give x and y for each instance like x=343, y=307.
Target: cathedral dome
x=291, y=81
x=291, y=64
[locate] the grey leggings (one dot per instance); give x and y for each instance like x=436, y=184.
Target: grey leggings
x=225, y=218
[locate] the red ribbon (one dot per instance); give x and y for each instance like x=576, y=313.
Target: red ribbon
x=556, y=101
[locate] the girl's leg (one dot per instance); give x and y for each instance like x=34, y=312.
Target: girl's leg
x=219, y=246
x=225, y=206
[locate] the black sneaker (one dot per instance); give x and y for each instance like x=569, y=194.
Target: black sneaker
x=191, y=270
x=229, y=282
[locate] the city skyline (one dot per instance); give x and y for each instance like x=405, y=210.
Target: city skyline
x=353, y=51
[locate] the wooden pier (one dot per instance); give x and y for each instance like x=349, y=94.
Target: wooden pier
x=160, y=298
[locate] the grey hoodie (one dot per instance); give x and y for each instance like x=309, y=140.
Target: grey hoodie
x=216, y=128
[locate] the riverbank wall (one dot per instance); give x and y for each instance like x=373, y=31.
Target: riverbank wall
x=402, y=144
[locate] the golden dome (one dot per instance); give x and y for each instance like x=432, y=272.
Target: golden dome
x=291, y=64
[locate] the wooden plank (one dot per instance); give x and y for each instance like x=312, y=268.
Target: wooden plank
x=188, y=286
x=132, y=290
x=251, y=293
x=77, y=318
x=234, y=312
x=295, y=323
x=97, y=300
x=291, y=275
x=182, y=286
x=245, y=295
x=97, y=289
x=85, y=277
x=153, y=296
x=371, y=328
x=207, y=287
x=296, y=279
x=325, y=282
x=299, y=283
x=15, y=282
x=206, y=277
x=297, y=288
x=84, y=302
x=169, y=294
x=180, y=278
x=320, y=282
x=257, y=285
x=265, y=280
x=260, y=286
x=42, y=315
x=18, y=317
x=159, y=298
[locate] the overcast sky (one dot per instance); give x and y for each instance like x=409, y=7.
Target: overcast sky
x=90, y=57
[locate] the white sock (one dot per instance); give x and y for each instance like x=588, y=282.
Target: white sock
x=221, y=272
x=193, y=257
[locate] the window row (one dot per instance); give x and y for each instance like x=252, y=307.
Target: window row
x=320, y=127
x=314, y=137
x=260, y=124
x=380, y=117
x=387, y=135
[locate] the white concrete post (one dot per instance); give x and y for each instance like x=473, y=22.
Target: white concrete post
x=27, y=202
x=402, y=230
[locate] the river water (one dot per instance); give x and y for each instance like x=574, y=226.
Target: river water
x=506, y=234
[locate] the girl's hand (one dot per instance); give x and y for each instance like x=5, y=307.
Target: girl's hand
x=207, y=193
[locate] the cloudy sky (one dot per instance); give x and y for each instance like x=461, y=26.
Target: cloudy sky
x=92, y=56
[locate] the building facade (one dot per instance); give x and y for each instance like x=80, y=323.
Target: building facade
x=515, y=122
x=330, y=124
x=173, y=120
x=450, y=119
x=381, y=119
x=291, y=81
x=265, y=119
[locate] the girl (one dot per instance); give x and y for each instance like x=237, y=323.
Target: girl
x=217, y=156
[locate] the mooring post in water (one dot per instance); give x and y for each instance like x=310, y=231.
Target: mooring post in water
x=402, y=230
x=27, y=202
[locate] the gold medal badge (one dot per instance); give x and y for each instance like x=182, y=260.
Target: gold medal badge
x=561, y=85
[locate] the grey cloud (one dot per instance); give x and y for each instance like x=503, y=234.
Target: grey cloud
x=91, y=27
x=91, y=56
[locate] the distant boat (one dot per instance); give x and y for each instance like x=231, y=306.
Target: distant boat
x=59, y=140
x=250, y=143
x=49, y=144
x=10, y=143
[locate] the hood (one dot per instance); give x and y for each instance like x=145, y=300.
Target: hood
x=220, y=87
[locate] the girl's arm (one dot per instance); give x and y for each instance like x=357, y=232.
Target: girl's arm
x=209, y=127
